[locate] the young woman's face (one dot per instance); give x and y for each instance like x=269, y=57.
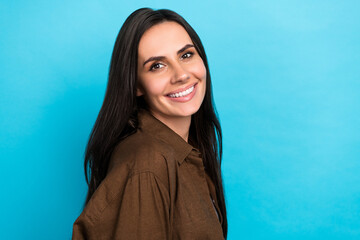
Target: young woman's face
x=171, y=74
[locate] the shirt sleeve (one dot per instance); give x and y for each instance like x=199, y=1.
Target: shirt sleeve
x=141, y=213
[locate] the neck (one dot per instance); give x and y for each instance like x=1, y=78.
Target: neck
x=180, y=125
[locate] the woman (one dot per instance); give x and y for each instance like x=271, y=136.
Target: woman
x=155, y=150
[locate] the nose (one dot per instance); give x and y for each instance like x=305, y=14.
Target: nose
x=180, y=74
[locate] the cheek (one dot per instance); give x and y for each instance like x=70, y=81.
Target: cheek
x=199, y=70
x=154, y=86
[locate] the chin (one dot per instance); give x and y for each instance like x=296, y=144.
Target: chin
x=190, y=111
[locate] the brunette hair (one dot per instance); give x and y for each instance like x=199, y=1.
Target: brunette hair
x=117, y=118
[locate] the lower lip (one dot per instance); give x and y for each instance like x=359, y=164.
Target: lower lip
x=185, y=98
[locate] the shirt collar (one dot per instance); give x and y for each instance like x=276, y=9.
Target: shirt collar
x=151, y=125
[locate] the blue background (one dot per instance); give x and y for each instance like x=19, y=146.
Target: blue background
x=286, y=82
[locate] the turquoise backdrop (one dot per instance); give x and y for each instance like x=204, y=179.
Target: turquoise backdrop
x=286, y=80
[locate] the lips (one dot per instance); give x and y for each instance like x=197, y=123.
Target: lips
x=184, y=96
x=181, y=89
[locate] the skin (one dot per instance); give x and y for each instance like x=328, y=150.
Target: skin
x=173, y=72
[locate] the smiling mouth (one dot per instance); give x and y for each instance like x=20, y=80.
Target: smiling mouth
x=182, y=93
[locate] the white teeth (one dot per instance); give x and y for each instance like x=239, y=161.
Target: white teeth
x=183, y=93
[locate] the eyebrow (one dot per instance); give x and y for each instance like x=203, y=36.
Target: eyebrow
x=158, y=58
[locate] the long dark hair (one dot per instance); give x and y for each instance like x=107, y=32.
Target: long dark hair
x=117, y=118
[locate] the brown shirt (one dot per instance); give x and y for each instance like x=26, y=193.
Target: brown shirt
x=156, y=188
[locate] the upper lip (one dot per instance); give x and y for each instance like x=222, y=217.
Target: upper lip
x=182, y=89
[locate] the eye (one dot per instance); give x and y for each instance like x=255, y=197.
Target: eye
x=187, y=55
x=156, y=66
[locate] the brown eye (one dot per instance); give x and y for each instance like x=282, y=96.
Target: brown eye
x=155, y=66
x=187, y=55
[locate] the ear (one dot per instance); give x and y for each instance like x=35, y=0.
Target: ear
x=139, y=92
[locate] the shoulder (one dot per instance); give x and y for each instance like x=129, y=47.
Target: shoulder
x=141, y=152
x=135, y=157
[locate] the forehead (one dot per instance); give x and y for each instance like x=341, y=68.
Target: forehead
x=163, y=39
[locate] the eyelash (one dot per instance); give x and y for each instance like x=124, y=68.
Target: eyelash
x=191, y=54
x=153, y=65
